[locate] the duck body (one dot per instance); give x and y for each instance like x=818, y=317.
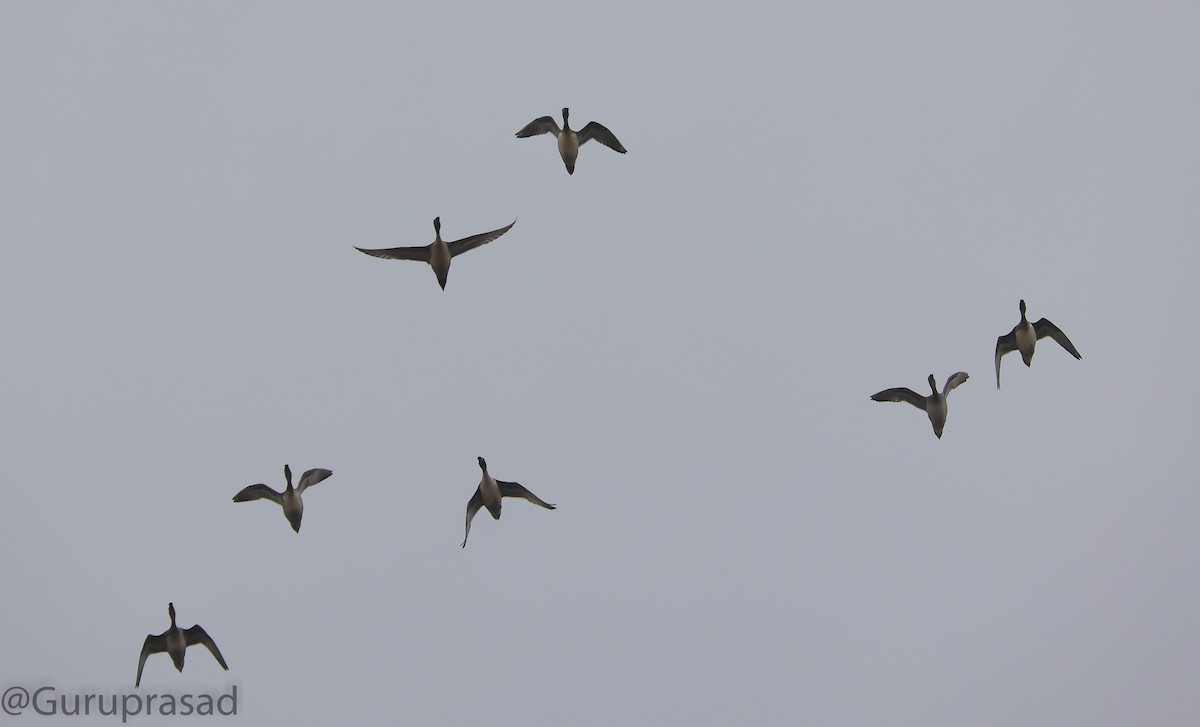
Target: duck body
x=439, y=252
x=937, y=409
x=293, y=506
x=1026, y=340
x=491, y=493
x=568, y=148
x=176, y=645
x=175, y=641
x=439, y=259
x=570, y=140
x=1024, y=337
x=290, y=499
x=936, y=405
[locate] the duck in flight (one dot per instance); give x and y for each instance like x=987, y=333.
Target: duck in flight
x=490, y=493
x=934, y=405
x=175, y=641
x=289, y=499
x=1024, y=337
x=439, y=252
x=569, y=140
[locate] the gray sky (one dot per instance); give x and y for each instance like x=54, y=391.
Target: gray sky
x=676, y=346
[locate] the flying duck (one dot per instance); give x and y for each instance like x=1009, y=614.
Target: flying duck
x=439, y=252
x=489, y=494
x=175, y=641
x=569, y=140
x=289, y=499
x=934, y=405
x=1024, y=337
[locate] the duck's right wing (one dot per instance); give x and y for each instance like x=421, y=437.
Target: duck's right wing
x=600, y=133
x=513, y=489
x=541, y=125
x=152, y=645
x=901, y=394
x=458, y=247
x=197, y=635
x=312, y=477
x=473, y=506
x=953, y=381
x=420, y=254
x=1004, y=344
x=1045, y=328
x=259, y=492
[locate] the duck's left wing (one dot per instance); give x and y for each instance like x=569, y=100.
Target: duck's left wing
x=540, y=125
x=152, y=645
x=1004, y=345
x=600, y=133
x=197, y=635
x=1045, y=328
x=901, y=393
x=420, y=254
x=458, y=247
x=473, y=506
x=258, y=492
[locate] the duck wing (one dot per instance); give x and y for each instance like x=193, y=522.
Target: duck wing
x=197, y=635
x=1044, y=328
x=901, y=394
x=473, y=506
x=953, y=381
x=420, y=254
x=540, y=125
x=600, y=133
x=312, y=477
x=1004, y=345
x=512, y=489
x=259, y=492
x=152, y=645
x=458, y=247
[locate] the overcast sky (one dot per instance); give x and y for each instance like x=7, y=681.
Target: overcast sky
x=677, y=346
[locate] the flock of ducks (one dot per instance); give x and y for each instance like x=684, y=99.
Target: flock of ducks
x=1023, y=337
x=490, y=492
